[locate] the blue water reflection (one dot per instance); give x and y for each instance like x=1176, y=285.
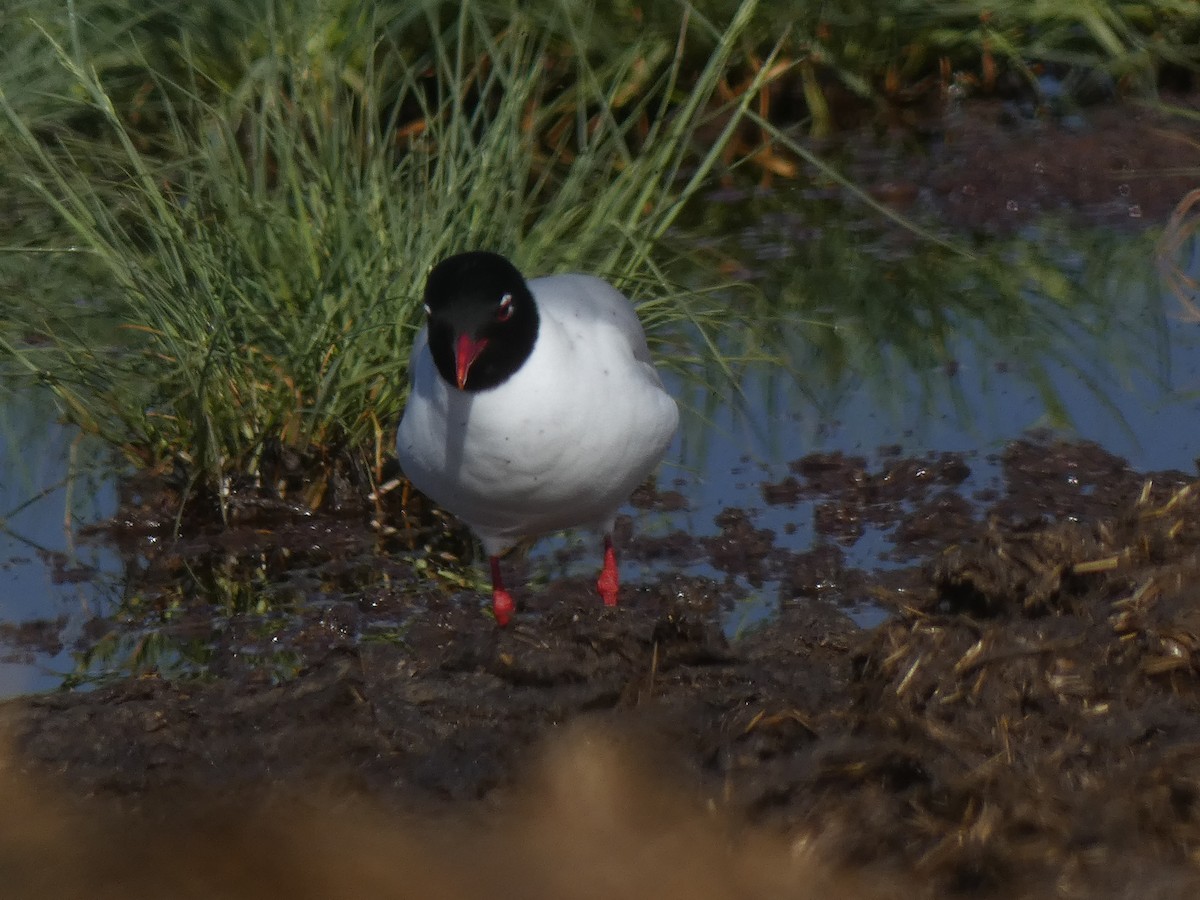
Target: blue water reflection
x=51, y=487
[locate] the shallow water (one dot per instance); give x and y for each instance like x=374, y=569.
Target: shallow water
x=49, y=489
x=1113, y=364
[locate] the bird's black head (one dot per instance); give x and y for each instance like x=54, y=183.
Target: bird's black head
x=483, y=322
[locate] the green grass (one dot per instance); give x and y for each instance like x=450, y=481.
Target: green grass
x=258, y=259
x=875, y=51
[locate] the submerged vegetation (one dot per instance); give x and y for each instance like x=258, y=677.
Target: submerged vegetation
x=223, y=212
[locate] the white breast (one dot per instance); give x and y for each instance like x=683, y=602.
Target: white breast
x=561, y=443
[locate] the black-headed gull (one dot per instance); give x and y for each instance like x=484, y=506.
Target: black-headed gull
x=534, y=406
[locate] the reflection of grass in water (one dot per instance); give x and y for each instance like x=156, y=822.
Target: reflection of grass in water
x=209, y=613
x=263, y=254
x=855, y=307
x=269, y=608
x=1179, y=254
x=1086, y=302
x=120, y=653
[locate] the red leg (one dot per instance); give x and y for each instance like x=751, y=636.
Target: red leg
x=502, y=601
x=609, y=581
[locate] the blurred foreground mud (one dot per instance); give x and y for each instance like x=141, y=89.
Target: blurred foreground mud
x=1025, y=724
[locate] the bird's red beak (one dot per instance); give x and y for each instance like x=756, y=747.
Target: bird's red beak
x=466, y=352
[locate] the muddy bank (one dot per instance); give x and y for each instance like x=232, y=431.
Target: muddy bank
x=1026, y=723
x=992, y=167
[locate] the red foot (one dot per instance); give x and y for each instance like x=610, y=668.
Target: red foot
x=502, y=601
x=502, y=607
x=609, y=582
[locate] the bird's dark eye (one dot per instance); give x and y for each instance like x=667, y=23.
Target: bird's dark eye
x=505, y=311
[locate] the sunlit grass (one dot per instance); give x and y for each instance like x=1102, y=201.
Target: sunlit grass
x=260, y=261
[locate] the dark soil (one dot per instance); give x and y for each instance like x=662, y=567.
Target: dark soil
x=1027, y=720
x=998, y=166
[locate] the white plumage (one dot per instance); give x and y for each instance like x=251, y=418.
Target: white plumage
x=562, y=441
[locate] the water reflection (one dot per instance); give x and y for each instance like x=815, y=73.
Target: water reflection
x=926, y=329
x=52, y=581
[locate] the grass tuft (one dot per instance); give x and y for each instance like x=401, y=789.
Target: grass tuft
x=260, y=256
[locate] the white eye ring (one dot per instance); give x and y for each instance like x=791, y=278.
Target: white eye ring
x=504, y=313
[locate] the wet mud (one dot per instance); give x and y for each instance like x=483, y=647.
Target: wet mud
x=1026, y=722
x=995, y=166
